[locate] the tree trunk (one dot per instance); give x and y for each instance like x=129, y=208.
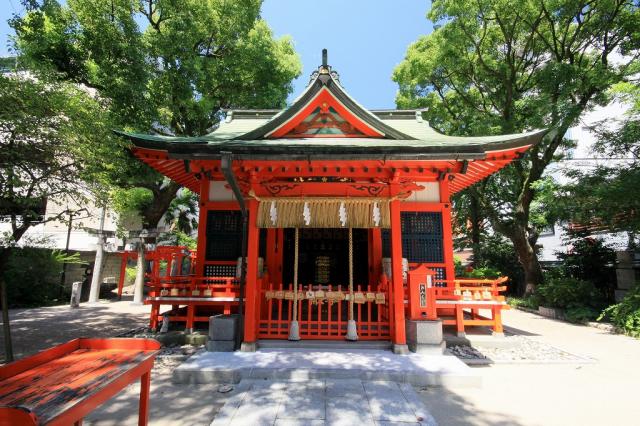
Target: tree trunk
x=162, y=199
x=528, y=259
x=476, y=220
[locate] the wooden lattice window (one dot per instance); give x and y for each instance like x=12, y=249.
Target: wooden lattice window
x=422, y=237
x=224, y=231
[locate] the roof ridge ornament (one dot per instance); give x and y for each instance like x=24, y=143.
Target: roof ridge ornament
x=324, y=73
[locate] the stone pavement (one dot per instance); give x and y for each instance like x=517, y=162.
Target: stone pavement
x=36, y=329
x=323, y=402
x=602, y=393
x=305, y=364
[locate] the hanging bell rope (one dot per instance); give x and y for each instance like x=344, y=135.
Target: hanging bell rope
x=294, y=329
x=352, y=329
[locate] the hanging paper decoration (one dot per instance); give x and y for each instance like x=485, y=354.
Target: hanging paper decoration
x=376, y=214
x=342, y=214
x=306, y=214
x=273, y=213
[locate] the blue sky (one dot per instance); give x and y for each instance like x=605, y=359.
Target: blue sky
x=366, y=39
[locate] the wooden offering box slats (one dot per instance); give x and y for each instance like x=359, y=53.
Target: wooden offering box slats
x=61, y=385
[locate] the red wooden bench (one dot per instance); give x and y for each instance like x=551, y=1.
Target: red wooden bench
x=61, y=385
x=474, y=295
x=176, y=291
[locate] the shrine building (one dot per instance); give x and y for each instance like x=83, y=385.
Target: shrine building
x=343, y=215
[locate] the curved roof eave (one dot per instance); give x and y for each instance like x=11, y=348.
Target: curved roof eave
x=455, y=146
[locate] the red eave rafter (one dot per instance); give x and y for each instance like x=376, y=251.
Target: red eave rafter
x=418, y=170
x=324, y=96
x=480, y=169
x=173, y=169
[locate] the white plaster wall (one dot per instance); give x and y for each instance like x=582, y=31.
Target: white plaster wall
x=430, y=193
x=551, y=244
x=219, y=192
x=55, y=231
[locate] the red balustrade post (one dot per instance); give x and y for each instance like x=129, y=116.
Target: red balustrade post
x=251, y=290
x=202, y=227
x=447, y=232
x=399, y=333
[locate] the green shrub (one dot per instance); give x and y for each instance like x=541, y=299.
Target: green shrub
x=626, y=314
x=484, y=272
x=498, y=254
x=590, y=260
x=524, y=302
x=33, y=276
x=569, y=293
x=130, y=275
x=581, y=314
x=458, y=267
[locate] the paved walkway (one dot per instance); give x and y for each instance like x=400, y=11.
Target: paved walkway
x=330, y=402
x=300, y=364
x=603, y=393
x=36, y=329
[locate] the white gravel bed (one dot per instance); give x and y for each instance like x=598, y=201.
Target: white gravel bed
x=523, y=350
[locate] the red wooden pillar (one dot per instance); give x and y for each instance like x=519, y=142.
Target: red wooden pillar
x=399, y=334
x=447, y=232
x=251, y=290
x=202, y=226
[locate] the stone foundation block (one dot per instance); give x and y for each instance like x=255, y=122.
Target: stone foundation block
x=224, y=327
x=221, y=345
x=425, y=336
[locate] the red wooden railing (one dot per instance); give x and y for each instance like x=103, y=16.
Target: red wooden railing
x=323, y=311
x=191, y=286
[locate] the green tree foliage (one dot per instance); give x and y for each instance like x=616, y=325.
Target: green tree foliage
x=494, y=67
x=52, y=137
x=600, y=198
x=589, y=259
x=183, y=212
x=626, y=314
x=173, y=74
x=34, y=274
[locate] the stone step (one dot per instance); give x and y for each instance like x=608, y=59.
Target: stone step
x=330, y=345
x=301, y=365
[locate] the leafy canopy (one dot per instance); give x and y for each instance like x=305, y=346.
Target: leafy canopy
x=52, y=137
x=505, y=66
x=601, y=198
x=163, y=66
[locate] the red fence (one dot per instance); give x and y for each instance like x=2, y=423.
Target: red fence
x=323, y=311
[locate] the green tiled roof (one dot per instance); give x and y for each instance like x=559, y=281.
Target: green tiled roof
x=406, y=135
